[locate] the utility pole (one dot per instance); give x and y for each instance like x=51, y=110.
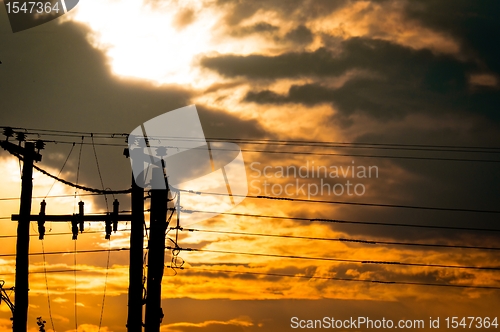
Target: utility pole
x=23, y=242
x=156, y=258
x=29, y=156
x=135, y=287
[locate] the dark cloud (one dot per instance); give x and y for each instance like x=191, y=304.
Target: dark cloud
x=319, y=63
x=474, y=23
x=218, y=123
x=258, y=28
x=275, y=315
x=299, y=10
x=300, y=35
x=357, y=53
x=380, y=99
x=405, y=81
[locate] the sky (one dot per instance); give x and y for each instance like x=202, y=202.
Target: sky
x=410, y=89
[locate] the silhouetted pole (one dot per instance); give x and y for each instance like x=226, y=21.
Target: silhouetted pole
x=156, y=257
x=134, y=320
x=23, y=240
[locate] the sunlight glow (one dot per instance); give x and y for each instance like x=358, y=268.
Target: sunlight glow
x=158, y=43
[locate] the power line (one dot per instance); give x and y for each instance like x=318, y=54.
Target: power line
x=65, y=233
x=267, y=141
x=68, y=252
x=66, y=271
x=94, y=190
x=60, y=171
x=75, y=288
x=312, y=153
x=279, y=198
x=47, y=287
x=340, y=221
x=435, y=208
x=59, y=196
x=77, y=174
x=341, y=279
x=100, y=175
x=365, y=155
x=288, y=276
x=341, y=239
x=328, y=154
x=450, y=148
x=105, y=284
x=76, y=185
x=79, y=133
x=342, y=260
x=370, y=146
x=493, y=268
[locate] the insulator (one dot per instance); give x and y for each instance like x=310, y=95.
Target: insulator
x=8, y=132
x=41, y=221
x=80, y=216
x=116, y=206
x=74, y=227
x=108, y=230
x=161, y=151
x=139, y=141
x=39, y=145
x=20, y=137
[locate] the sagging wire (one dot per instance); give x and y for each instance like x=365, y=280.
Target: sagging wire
x=176, y=262
x=47, y=287
x=75, y=297
x=99, y=172
x=60, y=171
x=105, y=286
x=145, y=267
x=74, y=252
x=144, y=278
x=58, y=175
x=78, y=171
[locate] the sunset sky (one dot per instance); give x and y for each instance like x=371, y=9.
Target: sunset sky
x=409, y=88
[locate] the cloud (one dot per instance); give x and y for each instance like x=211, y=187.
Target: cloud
x=90, y=328
x=260, y=27
x=404, y=81
x=297, y=10
x=184, y=17
x=238, y=324
x=300, y=35
x=471, y=23
x=360, y=53
x=60, y=300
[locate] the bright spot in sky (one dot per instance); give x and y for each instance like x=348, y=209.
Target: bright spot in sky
x=160, y=41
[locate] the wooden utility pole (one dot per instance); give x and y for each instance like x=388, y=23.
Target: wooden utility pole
x=28, y=154
x=156, y=257
x=135, y=287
